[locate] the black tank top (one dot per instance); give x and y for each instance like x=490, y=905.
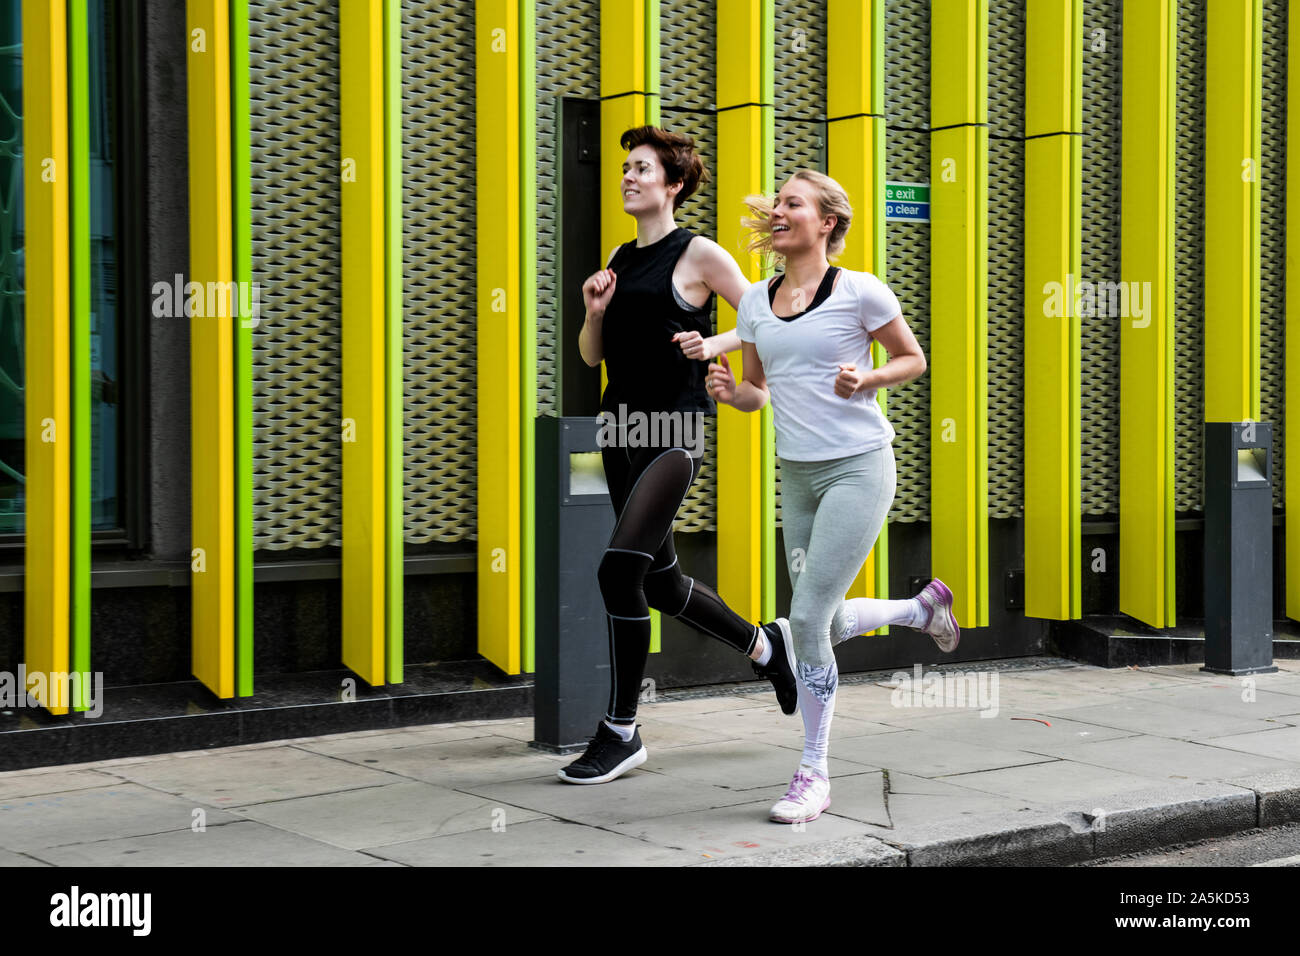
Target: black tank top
x=647, y=370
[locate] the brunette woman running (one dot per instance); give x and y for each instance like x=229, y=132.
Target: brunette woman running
x=806, y=339
x=652, y=291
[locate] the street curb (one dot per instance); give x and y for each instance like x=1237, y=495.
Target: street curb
x=848, y=851
x=1063, y=834
x=1277, y=794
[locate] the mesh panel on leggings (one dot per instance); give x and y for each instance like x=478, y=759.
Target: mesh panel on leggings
x=438, y=290
x=294, y=90
x=1099, y=384
x=1006, y=258
x=907, y=247
x=1189, y=255
x=1272, y=278
x=568, y=64
x=686, y=89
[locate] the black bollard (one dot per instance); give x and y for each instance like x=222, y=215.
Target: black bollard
x=1238, y=548
x=574, y=523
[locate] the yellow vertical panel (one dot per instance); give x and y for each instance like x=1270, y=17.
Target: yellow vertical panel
x=741, y=165
x=362, y=211
x=1052, y=66
x=622, y=47
x=959, y=305
x=212, y=426
x=47, y=361
x=739, y=434
x=740, y=54
x=855, y=159
x=1053, y=186
x=849, y=52
x=1232, y=131
x=1291, y=414
x=1051, y=271
x=1146, y=492
x=498, y=209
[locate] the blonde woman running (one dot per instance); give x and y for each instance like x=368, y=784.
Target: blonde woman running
x=806, y=338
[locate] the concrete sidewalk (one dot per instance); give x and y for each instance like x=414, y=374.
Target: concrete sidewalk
x=1132, y=759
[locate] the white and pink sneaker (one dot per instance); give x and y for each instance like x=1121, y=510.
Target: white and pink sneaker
x=808, y=796
x=940, y=623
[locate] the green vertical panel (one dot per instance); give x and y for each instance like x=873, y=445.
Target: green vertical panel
x=651, y=84
x=79, y=198
x=651, y=87
x=528, y=316
x=394, y=543
x=767, y=443
x=241, y=191
x=876, y=212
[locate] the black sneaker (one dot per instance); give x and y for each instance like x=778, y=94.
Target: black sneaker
x=780, y=668
x=607, y=757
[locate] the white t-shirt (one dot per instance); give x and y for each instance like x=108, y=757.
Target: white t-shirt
x=801, y=359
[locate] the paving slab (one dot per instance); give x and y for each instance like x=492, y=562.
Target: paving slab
x=692, y=706
x=457, y=763
x=8, y=859
x=637, y=795
x=1222, y=698
x=916, y=800
x=1162, y=758
x=734, y=831
x=1012, y=730
x=740, y=764
x=1055, y=781
x=99, y=813
x=763, y=723
x=25, y=783
x=926, y=754
x=664, y=734
x=535, y=843
x=1282, y=742
x=253, y=776
x=399, y=812
x=339, y=744
x=517, y=728
x=238, y=844
x=1164, y=720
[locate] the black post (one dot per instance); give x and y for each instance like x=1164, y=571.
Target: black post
x=1238, y=548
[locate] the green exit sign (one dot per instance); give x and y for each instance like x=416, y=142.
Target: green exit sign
x=907, y=202
x=907, y=192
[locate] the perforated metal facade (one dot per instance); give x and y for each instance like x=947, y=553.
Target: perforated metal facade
x=297, y=461
x=687, y=58
x=1099, y=378
x=568, y=64
x=1006, y=258
x=438, y=285
x=907, y=159
x=1189, y=256
x=1272, y=278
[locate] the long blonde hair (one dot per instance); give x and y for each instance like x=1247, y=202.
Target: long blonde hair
x=831, y=198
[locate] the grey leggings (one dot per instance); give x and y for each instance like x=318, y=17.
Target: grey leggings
x=831, y=514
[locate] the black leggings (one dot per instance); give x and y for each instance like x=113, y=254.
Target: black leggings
x=639, y=569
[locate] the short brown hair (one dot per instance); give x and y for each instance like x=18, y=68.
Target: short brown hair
x=676, y=153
